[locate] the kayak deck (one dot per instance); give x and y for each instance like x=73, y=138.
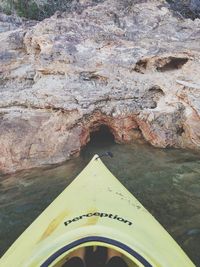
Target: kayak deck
x=95, y=210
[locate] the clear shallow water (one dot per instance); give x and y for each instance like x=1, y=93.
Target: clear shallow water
x=166, y=182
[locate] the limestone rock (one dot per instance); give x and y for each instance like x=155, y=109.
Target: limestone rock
x=130, y=65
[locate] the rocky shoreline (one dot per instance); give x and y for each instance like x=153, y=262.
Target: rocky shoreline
x=133, y=68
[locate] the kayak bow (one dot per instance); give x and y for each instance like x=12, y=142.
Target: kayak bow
x=95, y=209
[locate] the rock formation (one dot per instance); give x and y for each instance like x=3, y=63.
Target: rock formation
x=130, y=65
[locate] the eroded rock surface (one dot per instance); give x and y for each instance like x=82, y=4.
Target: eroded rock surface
x=133, y=67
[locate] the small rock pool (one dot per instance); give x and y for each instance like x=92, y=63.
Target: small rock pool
x=165, y=181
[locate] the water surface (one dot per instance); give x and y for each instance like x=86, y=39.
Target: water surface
x=166, y=182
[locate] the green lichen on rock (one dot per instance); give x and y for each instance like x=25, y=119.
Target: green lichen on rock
x=186, y=8
x=34, y=9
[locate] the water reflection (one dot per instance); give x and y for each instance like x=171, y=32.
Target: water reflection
x=167, y=182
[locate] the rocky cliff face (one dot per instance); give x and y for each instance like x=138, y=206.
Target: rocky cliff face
x=131, y=67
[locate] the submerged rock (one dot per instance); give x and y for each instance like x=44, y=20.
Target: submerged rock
x=132, y=66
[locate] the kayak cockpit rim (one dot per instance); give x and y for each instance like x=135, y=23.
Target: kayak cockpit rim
x=131, y=254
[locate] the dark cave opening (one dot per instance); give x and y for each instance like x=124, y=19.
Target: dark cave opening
x=172, y=63
x=101, y=137
x=101, y=141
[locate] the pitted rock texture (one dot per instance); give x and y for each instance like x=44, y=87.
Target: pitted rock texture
x=130, y=65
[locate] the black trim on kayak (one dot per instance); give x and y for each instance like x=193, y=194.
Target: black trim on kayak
x=118, y=244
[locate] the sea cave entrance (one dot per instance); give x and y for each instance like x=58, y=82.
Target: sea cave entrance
x=101, y=137
x=101, y=140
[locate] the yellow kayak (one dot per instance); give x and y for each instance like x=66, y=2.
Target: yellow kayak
x=95, y=210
